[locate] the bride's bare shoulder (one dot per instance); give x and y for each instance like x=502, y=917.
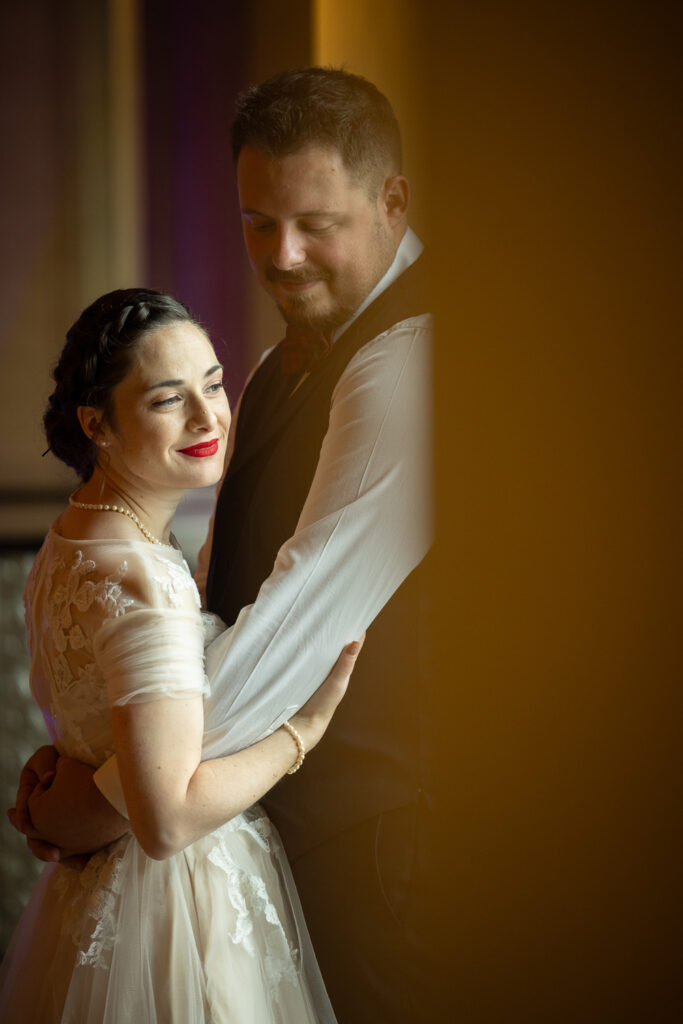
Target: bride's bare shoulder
x=88, y=524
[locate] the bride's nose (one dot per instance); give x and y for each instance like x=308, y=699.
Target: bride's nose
x=202, y=414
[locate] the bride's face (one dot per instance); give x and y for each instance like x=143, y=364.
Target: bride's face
x=170, y=418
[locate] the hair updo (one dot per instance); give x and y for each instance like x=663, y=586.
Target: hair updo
x=96, y=357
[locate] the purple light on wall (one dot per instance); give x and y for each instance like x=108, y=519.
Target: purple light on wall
x=193, y=68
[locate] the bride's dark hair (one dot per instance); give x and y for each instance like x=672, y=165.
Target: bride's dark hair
x=96, y=357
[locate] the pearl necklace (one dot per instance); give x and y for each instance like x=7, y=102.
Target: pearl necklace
x=117, y=508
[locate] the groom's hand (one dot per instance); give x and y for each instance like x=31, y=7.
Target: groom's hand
x=61, y=811
x=36, y=776
x=46, y=851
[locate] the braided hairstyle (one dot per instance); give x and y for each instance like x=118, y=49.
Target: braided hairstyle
x=96, y=357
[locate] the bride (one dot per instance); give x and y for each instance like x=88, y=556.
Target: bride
x=191, y=915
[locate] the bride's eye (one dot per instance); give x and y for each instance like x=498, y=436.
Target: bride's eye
x=166, y=401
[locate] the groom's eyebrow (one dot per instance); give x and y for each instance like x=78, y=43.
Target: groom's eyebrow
x=179, y=383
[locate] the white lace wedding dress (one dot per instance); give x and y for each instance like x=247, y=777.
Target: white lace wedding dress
x=214, y=934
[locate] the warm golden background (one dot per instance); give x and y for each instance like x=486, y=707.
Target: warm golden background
x=544, y=146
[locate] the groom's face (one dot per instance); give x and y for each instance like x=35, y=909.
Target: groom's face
x=317, y=240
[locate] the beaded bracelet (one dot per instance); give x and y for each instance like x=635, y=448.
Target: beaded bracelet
x=299, y=746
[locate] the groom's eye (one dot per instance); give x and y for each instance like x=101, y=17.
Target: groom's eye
x=317, y=227
x=261, y=226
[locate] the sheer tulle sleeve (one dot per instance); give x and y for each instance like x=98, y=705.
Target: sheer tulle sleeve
x=155, y=648
x=149, y=654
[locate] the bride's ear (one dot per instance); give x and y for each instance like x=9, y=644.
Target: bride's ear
x=90, y=420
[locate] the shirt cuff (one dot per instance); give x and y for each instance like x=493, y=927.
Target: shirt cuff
x=108, y=781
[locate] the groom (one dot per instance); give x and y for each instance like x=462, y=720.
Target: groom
x=326, y=498
x=323, y=518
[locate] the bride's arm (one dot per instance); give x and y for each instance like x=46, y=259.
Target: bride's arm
x=151, y=659
x=174, y=798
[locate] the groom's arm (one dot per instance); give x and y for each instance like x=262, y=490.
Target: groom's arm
x=364, y=527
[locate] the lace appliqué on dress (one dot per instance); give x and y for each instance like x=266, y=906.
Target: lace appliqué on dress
x=175, y=581
x=79, y=592
x=89, y=900
x=249, y=897
x=213, y=626
x=77, y=689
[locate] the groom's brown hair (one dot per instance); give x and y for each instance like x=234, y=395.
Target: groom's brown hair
x=326, y=107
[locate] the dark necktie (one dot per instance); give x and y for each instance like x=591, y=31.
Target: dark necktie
x=303, y=350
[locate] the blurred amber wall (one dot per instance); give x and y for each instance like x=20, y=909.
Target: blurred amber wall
x=549, y=194
x=555, y=218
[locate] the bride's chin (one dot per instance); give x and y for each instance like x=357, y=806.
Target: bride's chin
x=215, y=478
x=210, y=477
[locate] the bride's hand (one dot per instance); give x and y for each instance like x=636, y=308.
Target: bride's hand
x=314, y=717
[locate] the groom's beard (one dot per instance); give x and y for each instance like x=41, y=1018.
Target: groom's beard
x=337, y=288
x=309, y=310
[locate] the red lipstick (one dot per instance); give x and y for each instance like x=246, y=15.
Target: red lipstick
x=201, y=451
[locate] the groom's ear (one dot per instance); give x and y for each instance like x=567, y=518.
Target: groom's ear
x=395, y=197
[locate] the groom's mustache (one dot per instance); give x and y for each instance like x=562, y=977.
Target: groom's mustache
x=299, y=276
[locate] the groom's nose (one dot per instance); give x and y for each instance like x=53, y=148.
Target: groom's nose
x=289, y=248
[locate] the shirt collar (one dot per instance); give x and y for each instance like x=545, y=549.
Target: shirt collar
x=408, y=251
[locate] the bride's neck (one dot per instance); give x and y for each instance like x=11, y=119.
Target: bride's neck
x=155, y=510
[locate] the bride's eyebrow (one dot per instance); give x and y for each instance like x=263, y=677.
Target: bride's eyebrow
x=179, y=383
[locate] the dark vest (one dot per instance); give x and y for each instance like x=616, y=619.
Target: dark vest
x=370, y=759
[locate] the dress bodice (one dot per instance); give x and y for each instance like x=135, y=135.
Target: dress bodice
x=109, y=621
